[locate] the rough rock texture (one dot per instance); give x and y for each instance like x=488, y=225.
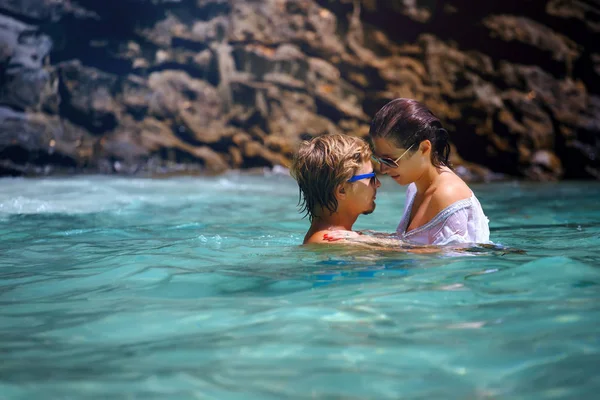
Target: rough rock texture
x=161, y=86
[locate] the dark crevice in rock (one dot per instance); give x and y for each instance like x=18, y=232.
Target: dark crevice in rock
x=213, y=75
x=96, y=41
x=87, y=42
x=579, y=32
x=96, y=125
x=222, y=145
x=241, y=57
x=16, y=154
x=138, y=113
x=22, y=17
x=477, y=10
x=254, y=120
x=588, y=70
x=101, y=61
x=310, y=51
x=9, y=108
x=400, y=29
x=520, y=53
x=189, y=44
x=243, y=94
x=575, y=166
x=45, y=158
x=121, y=18
x=480, y=150
x=575, y=163
x=12, y=106
x=6, y=170
x=325, y=108
x=257, y=162
x=373, y=104
x=375, y=82
x=342, y=10
x=21, y=156
x=478, y=38
x=186, y=135
x=471, y=36
x=178, y=156
x=206, y=12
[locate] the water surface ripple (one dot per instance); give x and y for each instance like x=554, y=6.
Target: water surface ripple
x=191, y=288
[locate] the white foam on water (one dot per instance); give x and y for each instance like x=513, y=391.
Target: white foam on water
x=91, y=194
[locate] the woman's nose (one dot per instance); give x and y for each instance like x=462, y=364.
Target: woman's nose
x=383, y=168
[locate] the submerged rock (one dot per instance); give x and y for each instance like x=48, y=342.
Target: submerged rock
x=162, y=86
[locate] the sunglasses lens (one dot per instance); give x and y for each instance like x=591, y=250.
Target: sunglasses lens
x=388, y=162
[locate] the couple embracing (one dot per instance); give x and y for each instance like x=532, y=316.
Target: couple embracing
x=337, y=181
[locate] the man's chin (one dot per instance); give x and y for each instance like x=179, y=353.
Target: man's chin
x=369, y=211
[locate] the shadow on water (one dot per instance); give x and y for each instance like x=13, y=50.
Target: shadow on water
x=304, y=268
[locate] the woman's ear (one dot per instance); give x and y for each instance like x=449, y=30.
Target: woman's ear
x=425, y=147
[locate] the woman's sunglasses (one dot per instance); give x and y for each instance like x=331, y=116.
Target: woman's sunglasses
x=390, y=162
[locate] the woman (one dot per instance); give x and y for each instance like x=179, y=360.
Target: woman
x=412, y=147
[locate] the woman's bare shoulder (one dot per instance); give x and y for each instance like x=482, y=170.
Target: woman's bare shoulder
x=450, y=190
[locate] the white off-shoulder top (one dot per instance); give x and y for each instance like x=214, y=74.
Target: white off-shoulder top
x=460, y=222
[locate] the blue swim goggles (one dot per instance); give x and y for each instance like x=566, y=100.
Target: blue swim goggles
x=363, y=176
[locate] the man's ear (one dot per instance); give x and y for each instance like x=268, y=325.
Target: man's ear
x=340, y=192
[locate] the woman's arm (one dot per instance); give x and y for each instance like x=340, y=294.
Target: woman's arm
x=383, y=241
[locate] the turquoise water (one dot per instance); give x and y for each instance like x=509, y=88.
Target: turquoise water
x=196, y=288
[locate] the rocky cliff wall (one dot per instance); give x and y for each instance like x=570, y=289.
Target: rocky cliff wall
x=160, y=86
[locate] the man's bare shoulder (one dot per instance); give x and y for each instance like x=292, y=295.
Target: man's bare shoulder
x=316, y=237
x=328, y=236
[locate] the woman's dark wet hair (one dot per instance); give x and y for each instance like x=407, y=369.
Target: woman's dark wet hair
x=407, y=122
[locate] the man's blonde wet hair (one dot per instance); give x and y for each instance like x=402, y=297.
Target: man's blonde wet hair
x=321, y=165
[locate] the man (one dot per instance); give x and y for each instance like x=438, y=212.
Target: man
x=337, y=184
